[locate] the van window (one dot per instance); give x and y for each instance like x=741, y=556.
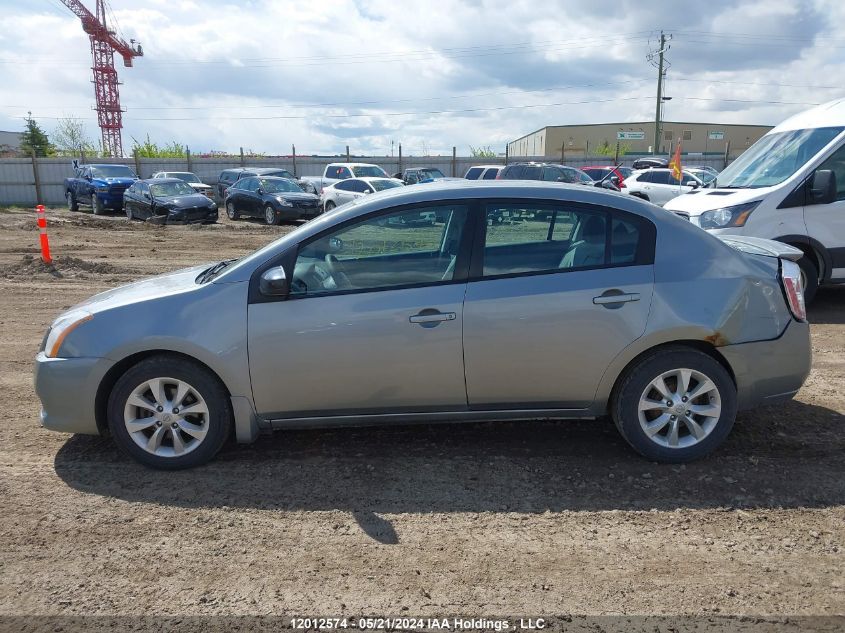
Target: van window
x=775, y=157
x=836, y=163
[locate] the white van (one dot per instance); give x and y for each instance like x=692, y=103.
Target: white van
x=789, y=186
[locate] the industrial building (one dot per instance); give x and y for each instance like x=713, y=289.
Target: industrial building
x=555, y=141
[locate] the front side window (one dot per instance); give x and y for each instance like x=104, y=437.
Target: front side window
x=402, y=248
x=836, y=163
x=557, y=239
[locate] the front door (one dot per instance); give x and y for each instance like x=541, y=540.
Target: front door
x=826, y=222
x=373, y=321
x=560, y=295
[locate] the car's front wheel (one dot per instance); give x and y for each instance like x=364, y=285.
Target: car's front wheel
x=97, y=205
x=231, y=213
x=270, y=215
x=170, y=413
x=675, y=405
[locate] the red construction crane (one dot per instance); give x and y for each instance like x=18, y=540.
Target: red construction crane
x=104, y=44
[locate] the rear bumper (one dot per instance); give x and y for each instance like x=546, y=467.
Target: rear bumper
x=67, y=388
x=772, y=371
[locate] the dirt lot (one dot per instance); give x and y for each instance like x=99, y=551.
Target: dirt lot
x=482, y=519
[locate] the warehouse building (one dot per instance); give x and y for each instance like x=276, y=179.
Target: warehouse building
x=555, y=141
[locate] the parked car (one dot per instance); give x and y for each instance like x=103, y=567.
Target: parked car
x=414, y=175
x=789, y=186
x=647, y=162
x=334, y=172
x=344, y=191
x=659, y=186
x=168, y=201
x=610, y=172
x=192, y=179
x=228, y=177
x=274, y=199
x=610, y=306
x=483, y=172
x=545, y=171
x=99, y=186
x=704, y=175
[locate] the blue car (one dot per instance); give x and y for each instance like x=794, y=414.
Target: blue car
x=99, y=186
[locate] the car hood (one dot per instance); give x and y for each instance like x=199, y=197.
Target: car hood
x=113, y=181
x=184, y=202
x=294, y=195
x=200, y=186
x=698, y=201
x=152, y=288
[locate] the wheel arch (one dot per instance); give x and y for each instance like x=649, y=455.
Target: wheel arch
x=814, y=249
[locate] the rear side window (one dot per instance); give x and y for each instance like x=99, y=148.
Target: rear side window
x=531, y=172
x=660, y=178
x=513, y=173
x=473, y=173
x=490, y=174
x=344, y=186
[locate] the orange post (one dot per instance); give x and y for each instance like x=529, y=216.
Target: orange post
x=42, y=227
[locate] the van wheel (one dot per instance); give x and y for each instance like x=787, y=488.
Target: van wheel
x=675, y=405
x=71, y=202
x=170, y=413
x=809, y=278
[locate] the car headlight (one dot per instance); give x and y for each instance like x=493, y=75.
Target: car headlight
x=285, y=203
x=727, y=216
x=61, y=327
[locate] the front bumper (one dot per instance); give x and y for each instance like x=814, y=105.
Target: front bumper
x=111, y=200
x=67, y=388
x=772, y=371
x=191, y=216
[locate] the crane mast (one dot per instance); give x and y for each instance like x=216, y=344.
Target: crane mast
x=104, y=44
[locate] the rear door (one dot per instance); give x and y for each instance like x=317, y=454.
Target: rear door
x=826, y=222
x=551, y=302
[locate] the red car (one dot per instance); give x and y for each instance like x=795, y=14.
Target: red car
x=598, y=172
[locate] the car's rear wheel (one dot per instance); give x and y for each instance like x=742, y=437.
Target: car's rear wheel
x=270, y=215
x=809, y=278
x=675, y=405
x=170, y=413
x=329, y=206
x=71, y=202
x=230, y=211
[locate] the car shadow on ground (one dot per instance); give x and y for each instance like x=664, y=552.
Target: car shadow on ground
x=776, y=457
x=828, y=307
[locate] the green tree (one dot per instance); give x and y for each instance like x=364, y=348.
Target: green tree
x=70, y=139
x=482, y=152
x=150, y=149
x=34, y=139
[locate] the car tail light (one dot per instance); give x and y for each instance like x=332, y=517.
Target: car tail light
x=793, y=288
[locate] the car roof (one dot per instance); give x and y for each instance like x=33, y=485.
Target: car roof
x=276, y=178
x=830, y=114
x=104, y=165
x=159, y=181
x=486, y=166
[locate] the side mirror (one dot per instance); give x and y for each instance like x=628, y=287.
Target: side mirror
x=608, y=184
x=614, y=179
x=260, y=191
x=147, y=195
x=367, y=191
x=691, y=183
x=273, y=282
x=335, y=244
x=823, y=188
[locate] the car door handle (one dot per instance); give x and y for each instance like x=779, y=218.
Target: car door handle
x=429, y=318
x=616, y=297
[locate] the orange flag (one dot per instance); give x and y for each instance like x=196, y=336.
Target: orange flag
x=675, y=163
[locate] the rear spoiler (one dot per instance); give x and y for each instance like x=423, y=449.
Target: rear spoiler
x=760, y=246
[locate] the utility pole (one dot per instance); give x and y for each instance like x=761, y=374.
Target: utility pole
x=660, y=73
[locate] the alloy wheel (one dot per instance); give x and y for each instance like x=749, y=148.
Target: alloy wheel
x=166, y=417
x=230, y=211
x=269, y=215
x=679, y=408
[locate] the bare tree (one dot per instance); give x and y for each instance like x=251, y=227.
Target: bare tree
x=69, y=138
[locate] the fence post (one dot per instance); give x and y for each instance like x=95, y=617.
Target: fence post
x=586, y=148
x=507, y=150
x=727, y=153
x=616, y=159
x=242, y=157
x=347, y=154
x=36, y=178
x=454, y=161
x=137, y=163
x=188, y=158
x=400, y=158
x=293, y=153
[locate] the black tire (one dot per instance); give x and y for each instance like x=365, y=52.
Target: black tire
x=72, y=205
x=270, y=216
x=231, y=213
x=218, y=423
x=97, y=206
x=329, y=206
x=624, y=406
x=811, y=278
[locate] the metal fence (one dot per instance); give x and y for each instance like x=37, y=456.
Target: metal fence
x=29, y=181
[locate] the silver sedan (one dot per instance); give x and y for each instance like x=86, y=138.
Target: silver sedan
x=414, y=305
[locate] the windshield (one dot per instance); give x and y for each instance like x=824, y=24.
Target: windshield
x=580, y=175
x=170, y=189
x=703, y=175
x=112, y=171
x=279, y=185
x=380, y=185
x=369, y=171
x=431, y=173
x=184, y=176
x=775, y=157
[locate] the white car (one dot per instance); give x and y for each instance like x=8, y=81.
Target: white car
x=192, y=179
x=659, y=185
x=344, y=191
x=789, y=186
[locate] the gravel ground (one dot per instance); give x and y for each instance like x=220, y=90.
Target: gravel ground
x=477, y=519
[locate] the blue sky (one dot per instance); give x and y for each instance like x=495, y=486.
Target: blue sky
x=218, y=75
